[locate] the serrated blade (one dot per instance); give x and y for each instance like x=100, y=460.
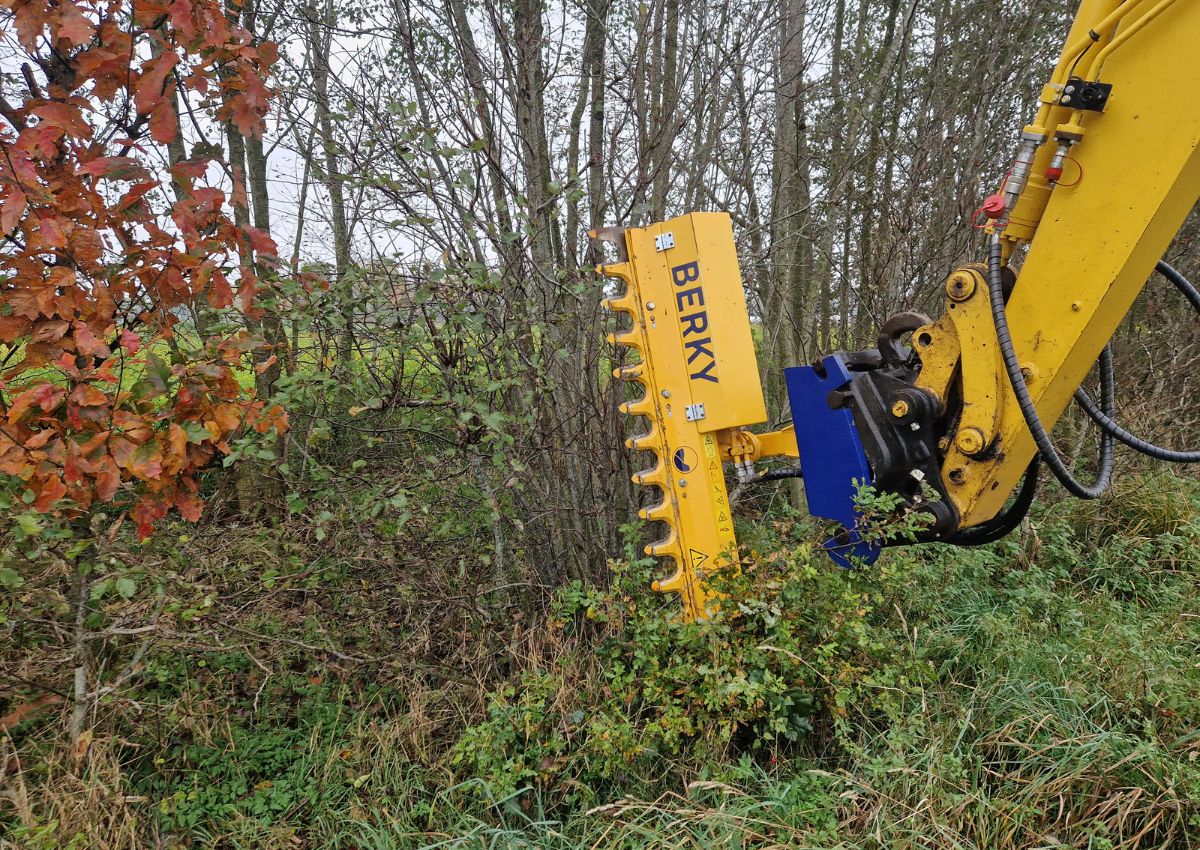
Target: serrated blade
x=689, y=324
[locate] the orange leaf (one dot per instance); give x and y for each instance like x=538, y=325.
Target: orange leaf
x=52, y=232
x=65, y=116
x=46, y=397
x=86, y=245
x=116, y=168
x=146, y=462
x=86, y=395
x=238, y=197
x=49, y=331
x=260, y=240
x=10, y=212
x=220, y=294
x=130, y=341
x=176, y=454
x=82, y=745
x=50, y=491
x=108, y=478
x=149, y=89
x=25, y=709
x=244, y=117
x=268, y=53
x=135, y=194
x=73, y=25
x=87, y=343
x=190, y=168
x=122, y=450
x=190, y=508
x=228, y=417
x=13, y=327
x=163, y=124
x=145, y=513
x=31, y=17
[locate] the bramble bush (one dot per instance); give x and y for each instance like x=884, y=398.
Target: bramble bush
x=633, y=697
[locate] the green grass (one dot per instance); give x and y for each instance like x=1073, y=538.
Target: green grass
x=1040, y=692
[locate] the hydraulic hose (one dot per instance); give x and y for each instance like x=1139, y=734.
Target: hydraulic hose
x=1029, y=410
x=1110, y=426
x=780, y=474
x=1000, y=526
x=1181, y=283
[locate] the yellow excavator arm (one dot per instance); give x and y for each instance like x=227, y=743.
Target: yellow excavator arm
x=948, y=415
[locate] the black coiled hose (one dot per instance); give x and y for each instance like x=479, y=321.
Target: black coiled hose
x=1021, y=390
x=1110, y=427
x=1000, y=526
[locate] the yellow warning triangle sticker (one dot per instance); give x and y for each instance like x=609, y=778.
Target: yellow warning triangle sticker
x=698, y=557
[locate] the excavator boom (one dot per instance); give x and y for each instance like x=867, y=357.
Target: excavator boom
x=948, y=415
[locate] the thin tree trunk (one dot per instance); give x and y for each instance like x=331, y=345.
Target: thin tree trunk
x=667, y=121
x=82, y=653
x=330, y=175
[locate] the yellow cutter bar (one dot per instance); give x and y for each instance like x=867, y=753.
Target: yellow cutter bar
x=690, y=327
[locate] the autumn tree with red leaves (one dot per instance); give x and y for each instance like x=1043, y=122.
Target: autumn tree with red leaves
x=109, y=241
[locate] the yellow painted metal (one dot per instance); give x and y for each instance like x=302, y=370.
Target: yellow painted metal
x=781, y=443
x=1099, y=16
x=940, y=356
x=738, y=444
x=691, y=330
x=1095, y=242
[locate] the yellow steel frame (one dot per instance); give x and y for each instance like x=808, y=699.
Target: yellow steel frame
x=1091, y=246
x=688, y=324
x=1092, y=243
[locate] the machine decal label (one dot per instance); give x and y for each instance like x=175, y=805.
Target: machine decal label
x=685, y=459
x=694, y=324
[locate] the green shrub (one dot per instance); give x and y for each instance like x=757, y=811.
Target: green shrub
x=647, y=701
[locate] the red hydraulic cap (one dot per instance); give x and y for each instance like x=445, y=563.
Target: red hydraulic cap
x=1054, y=174
x=993, y=206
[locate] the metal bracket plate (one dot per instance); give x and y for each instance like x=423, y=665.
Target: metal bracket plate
x=664, y=241
x=1084, y=94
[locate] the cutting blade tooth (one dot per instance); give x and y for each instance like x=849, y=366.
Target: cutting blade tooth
x=644, y=442
x=631, y=372
x=643, y=406
x=621, y=271
x=658, y=513
x=668, y=545
x=674, y=583
x=631, y=338
x=624, y=303
x=655, y=475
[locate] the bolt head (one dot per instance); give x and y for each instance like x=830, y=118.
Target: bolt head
x=649, y=305
x=900, y=409
x=666, y=393
x=970, y=441
x=960, y=287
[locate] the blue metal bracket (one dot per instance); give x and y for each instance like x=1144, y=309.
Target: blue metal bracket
x=831, y=456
